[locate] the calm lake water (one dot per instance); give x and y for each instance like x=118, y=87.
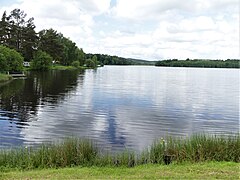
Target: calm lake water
x=119, y=106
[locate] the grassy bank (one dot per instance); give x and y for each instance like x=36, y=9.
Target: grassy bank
x=207, y=170
x=5, y=78
x=77, y=152
x=61, y=67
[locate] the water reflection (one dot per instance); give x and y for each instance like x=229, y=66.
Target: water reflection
x=21, y=100
x=120, y=107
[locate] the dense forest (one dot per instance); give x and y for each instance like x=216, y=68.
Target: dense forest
x=229, y=63
x=115, y=60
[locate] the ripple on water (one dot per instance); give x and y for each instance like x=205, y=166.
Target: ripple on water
x=120, y=107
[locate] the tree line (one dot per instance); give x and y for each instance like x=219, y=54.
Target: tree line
x=229, y=63
x=18, y=37
x=110, y=60
x=20, y=42
x=105, y=59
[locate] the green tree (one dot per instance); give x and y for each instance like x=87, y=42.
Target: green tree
x=80, y=56
x=16, y=22
x=112, y=60
x=4, y=29
x=11, y=60
x=17, y=33
x=3, y=63
x=76, y=64
x=50, y=42
x=200, y=63
x=95, y=60
x=29, y=37
x=71, y=52
x=90, y=63
x=41, y=61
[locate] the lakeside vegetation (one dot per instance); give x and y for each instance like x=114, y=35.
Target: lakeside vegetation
x=20, y=42
x=206, y=170
x=105, y=59
x=63, y=68
x=234, y=63
x=76, y=152
x=5, y=78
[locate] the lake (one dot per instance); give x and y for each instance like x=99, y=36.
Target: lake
x=119, y=106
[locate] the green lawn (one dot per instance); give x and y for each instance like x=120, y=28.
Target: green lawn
x=207, y=170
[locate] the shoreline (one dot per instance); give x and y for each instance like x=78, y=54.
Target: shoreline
x=5, y=78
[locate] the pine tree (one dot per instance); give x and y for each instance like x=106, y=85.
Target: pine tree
x=49, y=41
x=4, y=29
x=18, y=34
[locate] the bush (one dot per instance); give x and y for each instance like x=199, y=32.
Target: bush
x=4, y=78
x=90, y=63
x=10, y=60
x=3, y=63
x=41, y=61
x=76, y=64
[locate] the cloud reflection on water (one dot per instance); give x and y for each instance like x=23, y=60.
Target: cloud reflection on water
x=129, y=106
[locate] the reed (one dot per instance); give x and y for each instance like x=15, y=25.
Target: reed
x=77, y=152
x=197, y=148
x=70, y=152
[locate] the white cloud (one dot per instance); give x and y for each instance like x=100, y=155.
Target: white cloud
x=73, y=18
x=159, y=29
x=140, y=10
x=193, y=29
x=195, y=37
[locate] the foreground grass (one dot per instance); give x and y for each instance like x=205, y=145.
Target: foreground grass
x=5, y=78
x=207, y=170
x=77, y=152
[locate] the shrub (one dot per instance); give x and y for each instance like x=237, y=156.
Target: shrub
x=90, y=63
x=3, y=63
x=10, y=60
x=76, y=64
x=41, y=61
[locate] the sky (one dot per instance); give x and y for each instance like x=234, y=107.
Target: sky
x=142, y=29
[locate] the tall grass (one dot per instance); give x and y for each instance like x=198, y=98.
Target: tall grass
x=70, y=152
x=4, y=78
x=197, y=148
x=77, y=152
